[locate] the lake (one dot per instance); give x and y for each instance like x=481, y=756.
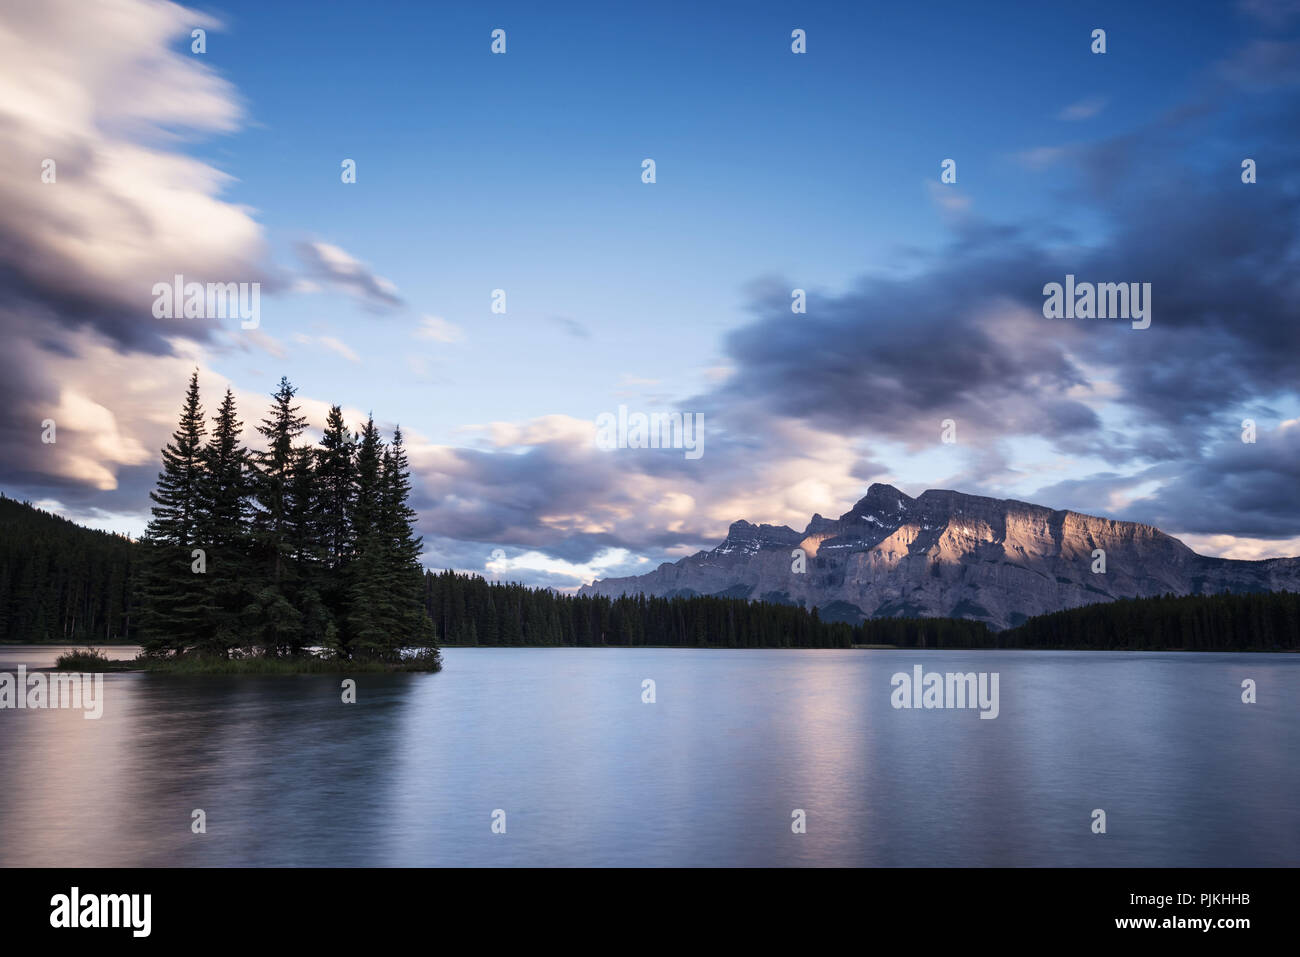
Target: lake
x=709, y=774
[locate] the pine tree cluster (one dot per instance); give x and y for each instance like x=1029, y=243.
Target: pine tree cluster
x=283, y=549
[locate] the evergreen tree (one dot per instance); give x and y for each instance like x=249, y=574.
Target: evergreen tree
x=306, y=576
x=279, y=624
x=403, y=573
x=336, y=485
x=173, y=598
x=370, y=608
x=178, y=493
x=223, y=528
x=336, y=491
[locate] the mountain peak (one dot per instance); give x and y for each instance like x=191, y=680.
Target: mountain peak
x=947, y=553
x=750, y=537
x=880, y=500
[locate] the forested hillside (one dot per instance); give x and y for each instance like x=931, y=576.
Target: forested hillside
x=1264, y=621
x=61, y=582
x=466, y=609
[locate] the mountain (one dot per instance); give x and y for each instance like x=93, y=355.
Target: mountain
x=945, y=553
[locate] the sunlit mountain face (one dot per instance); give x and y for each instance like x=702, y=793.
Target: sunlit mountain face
x=945, y=553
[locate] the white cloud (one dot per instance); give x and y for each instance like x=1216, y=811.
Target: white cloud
x=1084, y=109
x=439, y=330
x=99, y=90
x=334, y=345
x=1040, y=157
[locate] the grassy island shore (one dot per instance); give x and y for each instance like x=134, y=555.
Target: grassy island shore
x=94, y=660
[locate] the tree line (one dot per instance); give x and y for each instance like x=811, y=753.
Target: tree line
x=60, y=581
x=1256, y=621
x=283, y=548
x=467, y=609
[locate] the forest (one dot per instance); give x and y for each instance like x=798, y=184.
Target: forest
x=60, y=582
x=1254, y=621
x=466, y=609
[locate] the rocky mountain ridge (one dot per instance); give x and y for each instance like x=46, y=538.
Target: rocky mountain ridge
x=945, y=553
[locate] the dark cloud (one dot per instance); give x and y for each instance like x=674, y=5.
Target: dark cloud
x=338, y=268
x=965, y=338
x=571, y=326
x=1243, y=488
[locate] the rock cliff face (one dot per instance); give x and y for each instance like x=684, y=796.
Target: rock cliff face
x=948, y=554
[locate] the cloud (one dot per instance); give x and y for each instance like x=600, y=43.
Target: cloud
x=97, y=90
x=947, y=198
x=570, y=326
x=1274, y=14
x=543, y=486
x=1041, y=157
x=1084, y=109
x=439, y=330
x=335, y=346
x=1265, y=64
x=100, y=90
x=328, y=342
x=338, y=268
x=256, y=338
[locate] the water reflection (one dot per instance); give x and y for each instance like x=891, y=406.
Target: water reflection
x=589, y=775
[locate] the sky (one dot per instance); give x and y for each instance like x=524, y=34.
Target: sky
x=522, y=171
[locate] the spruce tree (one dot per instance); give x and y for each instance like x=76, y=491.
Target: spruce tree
x=404, y=573
x=305, y=580
x=279, y=622
x=173, y=597
x=177, y=496
x=223, y=526
x=336, y=489
x=370, y=609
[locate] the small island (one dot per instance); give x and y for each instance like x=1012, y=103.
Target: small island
x=294, y=559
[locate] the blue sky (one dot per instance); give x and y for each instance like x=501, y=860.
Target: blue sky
x=523, y=171
x=774, y=171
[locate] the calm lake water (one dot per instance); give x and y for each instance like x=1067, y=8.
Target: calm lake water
x=707, y=775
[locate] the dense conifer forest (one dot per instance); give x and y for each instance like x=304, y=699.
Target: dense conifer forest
x=60, y=582
x=1262, y=621
x=466, y=609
